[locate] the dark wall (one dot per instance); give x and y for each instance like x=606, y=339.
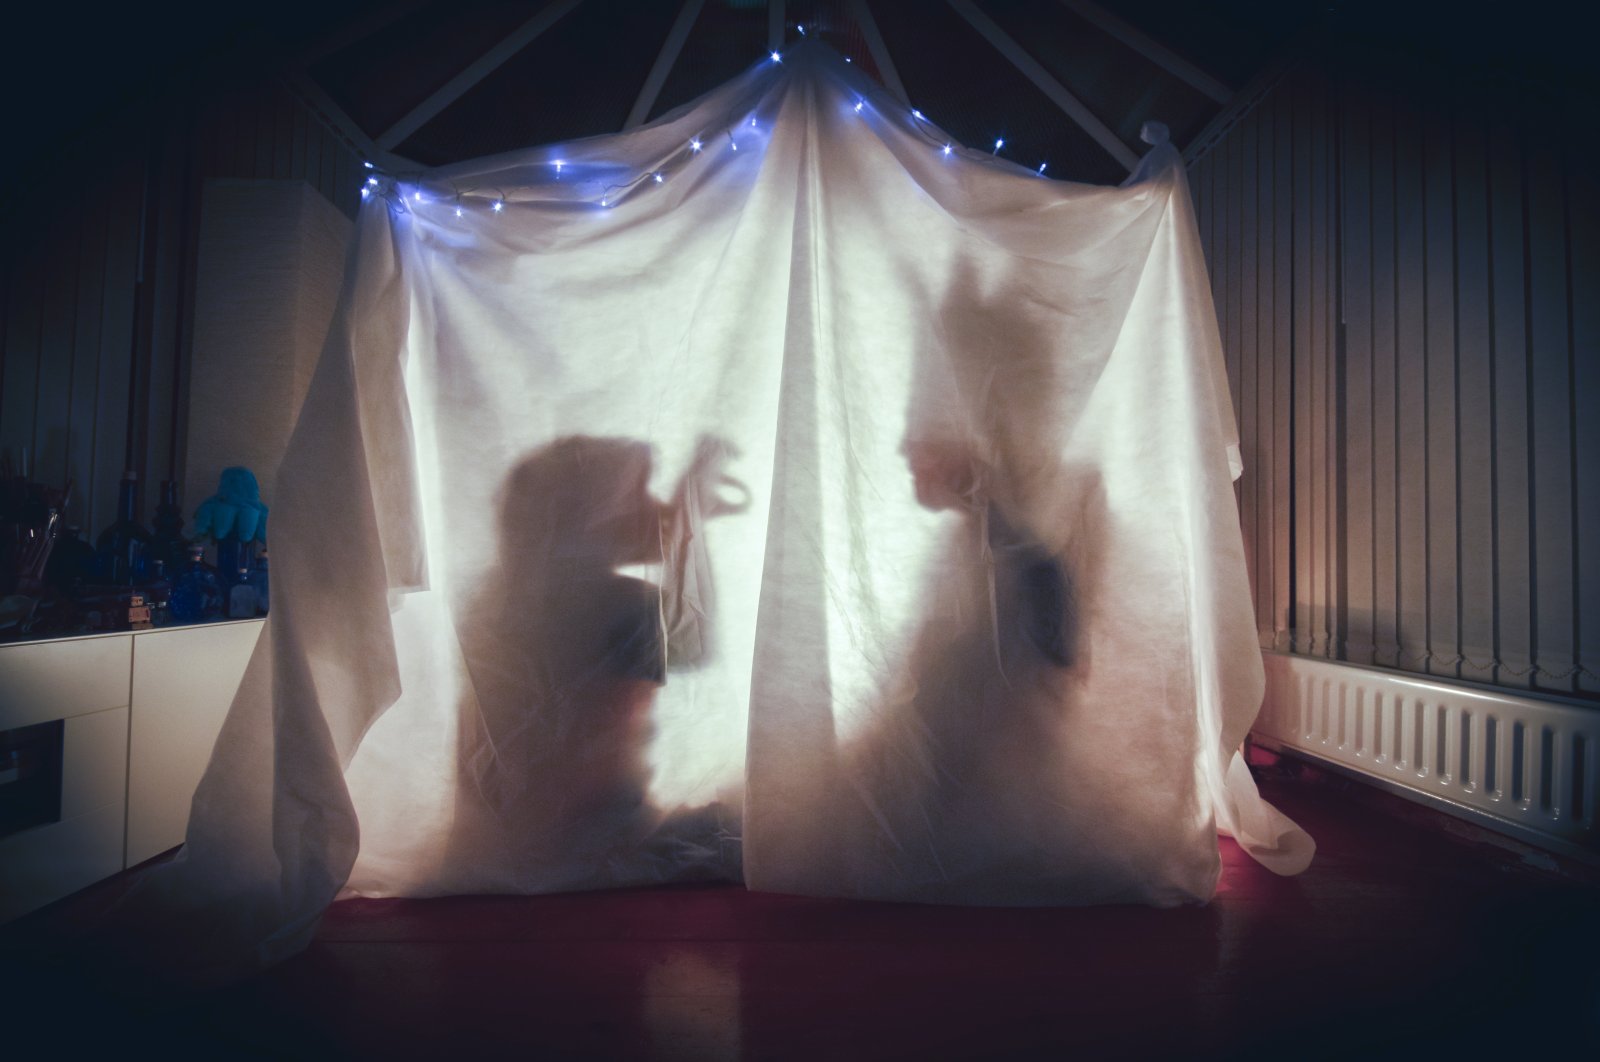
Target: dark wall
x=1404, y=242
x=98, y=277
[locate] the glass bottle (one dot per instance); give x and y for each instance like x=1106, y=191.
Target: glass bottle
x=196, y=592
x=242, y=597
x=120, y=549
x=233, y=557
x=260, y=579
x=167, y=543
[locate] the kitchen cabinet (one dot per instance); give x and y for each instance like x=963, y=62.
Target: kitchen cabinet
x=138, y=715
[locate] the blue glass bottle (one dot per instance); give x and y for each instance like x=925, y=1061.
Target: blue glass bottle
x=259, y=579
x=121, y=548
x=242, y=596
x=167, y=543
x=196, y=592
x=234, y=555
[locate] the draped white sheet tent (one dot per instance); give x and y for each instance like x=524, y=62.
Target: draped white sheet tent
x=776, y=492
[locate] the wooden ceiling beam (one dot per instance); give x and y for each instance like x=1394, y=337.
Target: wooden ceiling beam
x=485, y=65
x=1046, y=82
x=298, y=82
x=879, y=51
x=670, y=48
x=1153, y=50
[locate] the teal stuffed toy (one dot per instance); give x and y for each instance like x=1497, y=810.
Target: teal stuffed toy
x=236, y=511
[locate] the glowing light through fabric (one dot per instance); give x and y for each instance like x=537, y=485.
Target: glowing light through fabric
x=840, y=514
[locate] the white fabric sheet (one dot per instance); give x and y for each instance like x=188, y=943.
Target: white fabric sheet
x=836, y=513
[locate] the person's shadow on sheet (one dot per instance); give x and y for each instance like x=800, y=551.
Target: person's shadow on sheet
x=597, y=591
x=962, y=768
x=960, y=790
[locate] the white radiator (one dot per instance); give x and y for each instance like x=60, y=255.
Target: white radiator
x=1522, y=765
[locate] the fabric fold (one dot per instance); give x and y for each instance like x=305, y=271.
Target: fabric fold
x=769, y=494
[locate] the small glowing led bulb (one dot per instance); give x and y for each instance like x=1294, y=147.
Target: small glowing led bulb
x=365, y=191
x=1042, y=165
x=946, y=149
x=659, y=178
x=417, y=196
x=776, y=57
x=498, y=206
x=560, y=163
x=917, y=115
x=695, y=145
x=458, y=210
x=999, y=142
x=860, y=104
x=367, y=164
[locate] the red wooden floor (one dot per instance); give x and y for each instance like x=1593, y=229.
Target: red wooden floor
x=1404, y=939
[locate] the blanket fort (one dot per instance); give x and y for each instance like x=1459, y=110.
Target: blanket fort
x=777, y=493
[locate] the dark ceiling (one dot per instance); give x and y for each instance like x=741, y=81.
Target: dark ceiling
x=378, y=59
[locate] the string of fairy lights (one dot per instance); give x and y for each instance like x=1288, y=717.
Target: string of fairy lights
x=458, y=201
